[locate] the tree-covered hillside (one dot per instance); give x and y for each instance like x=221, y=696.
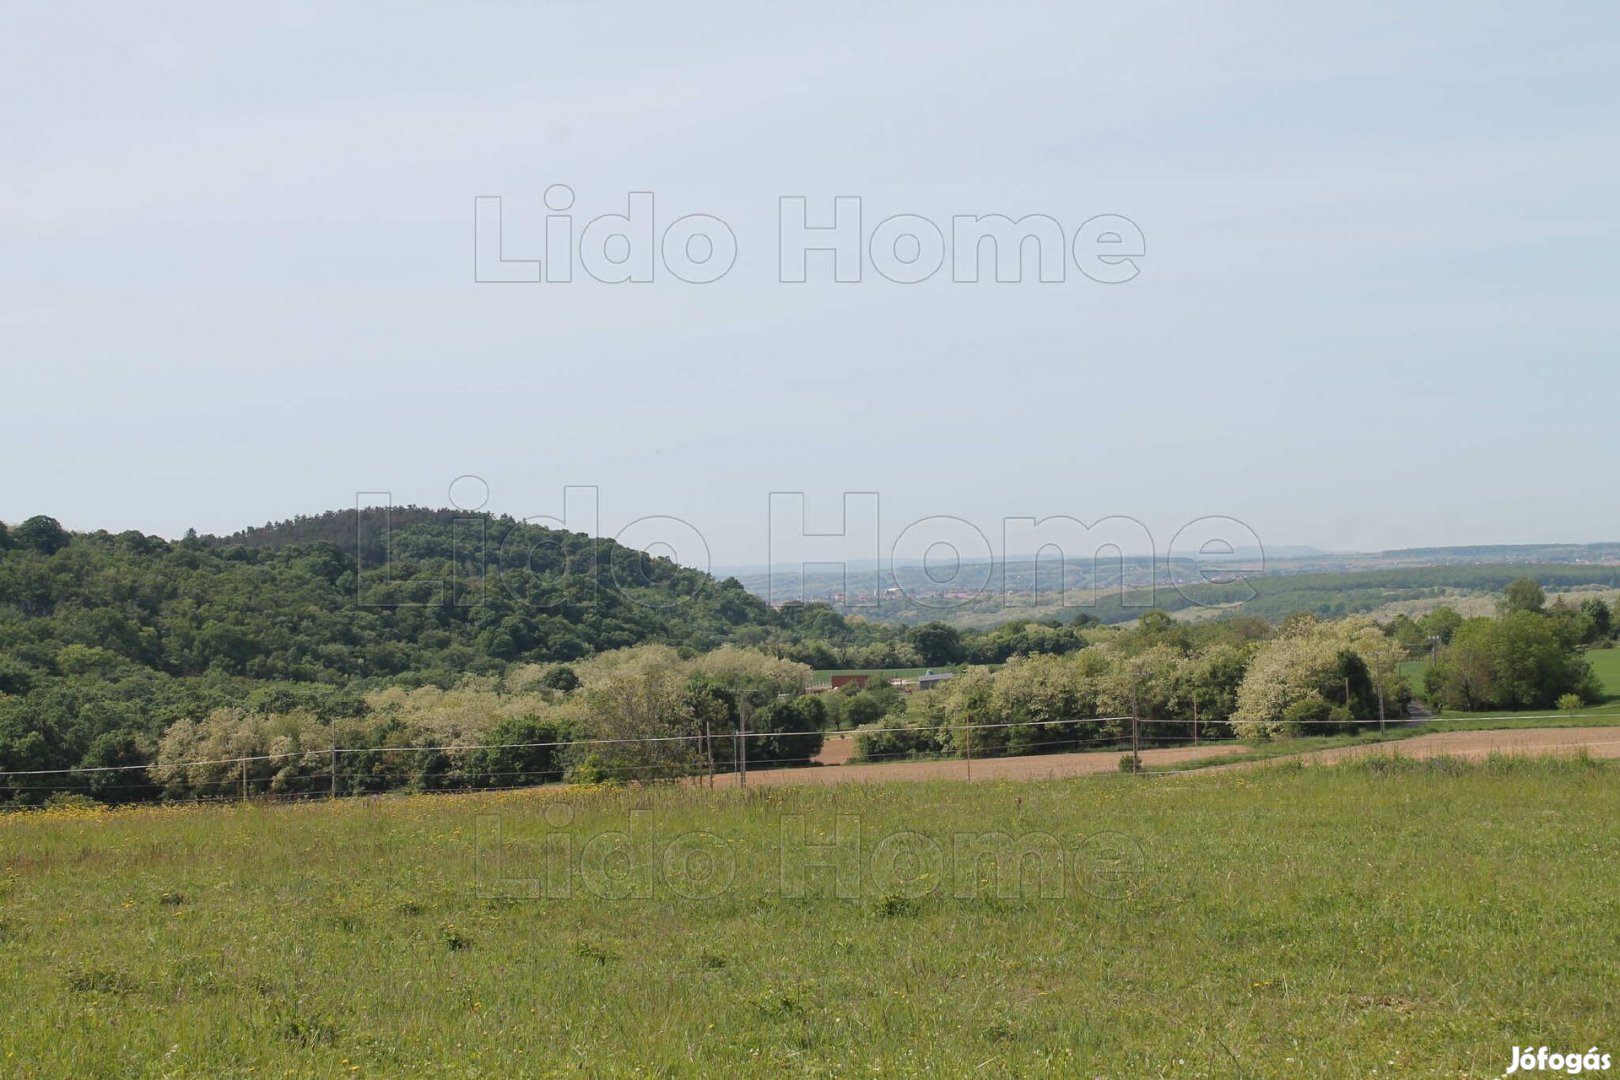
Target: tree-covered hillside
x=338, y=596
x=105, y=640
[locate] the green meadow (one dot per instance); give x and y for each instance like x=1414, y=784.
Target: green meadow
x=1389, y=918
x=1605, y=664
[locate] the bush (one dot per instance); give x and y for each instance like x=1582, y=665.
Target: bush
x=795, y=725
x=1569, y=702
x=1316, y=716
x=898, y=737
x=589, y=770
x=71, y=800
x=560, y=678
x=521, y=750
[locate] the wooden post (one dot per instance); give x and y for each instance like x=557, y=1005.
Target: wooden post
x=967, y=732
x=1136, y=743
x=1378, y=677
x=742, y=743
x=708, y=746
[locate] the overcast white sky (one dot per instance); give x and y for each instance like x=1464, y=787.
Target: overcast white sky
x=1377, y=307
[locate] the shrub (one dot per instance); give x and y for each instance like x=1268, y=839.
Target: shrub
x=590, y=769
x=521, y=750
x=560, y=678
x=71, y=800
x=1569, y=702
x=1316, y=716
x=795, y=726
x=898, y=737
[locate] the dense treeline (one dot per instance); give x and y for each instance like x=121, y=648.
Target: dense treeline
x=1529, y=657
x=1248, y=678
x=106, y=640
x=1214, y=680
x=407, y=652
x=644, y=713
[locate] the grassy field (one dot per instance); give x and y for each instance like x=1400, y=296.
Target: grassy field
x=1605, y=664
x=1413, y=670
x=1414, y=920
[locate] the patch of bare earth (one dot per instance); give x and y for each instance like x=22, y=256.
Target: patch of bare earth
x=1600, y=742
x=835, y=767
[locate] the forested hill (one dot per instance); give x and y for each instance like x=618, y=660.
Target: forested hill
x=106, y=639
x=363, y=534
x=345, y=595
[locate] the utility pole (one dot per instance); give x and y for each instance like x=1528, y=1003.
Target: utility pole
x=708, y=746
x=1136, y=738
x=1195, y=718
x=242, y=768
x=743, y=707
x=1378, y=678
x=334, y=762
x=967, y=731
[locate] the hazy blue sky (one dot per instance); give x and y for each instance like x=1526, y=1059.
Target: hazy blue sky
x=1378, y=306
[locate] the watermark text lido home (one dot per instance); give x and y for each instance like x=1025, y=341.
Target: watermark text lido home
x=837, y=239
x=955, y=556
x=812, y=857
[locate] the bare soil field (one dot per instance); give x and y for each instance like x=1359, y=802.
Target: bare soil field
x=834, y=766
x=1600, y=742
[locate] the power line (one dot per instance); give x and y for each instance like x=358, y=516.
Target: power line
x=470, y=748
x=286, y=755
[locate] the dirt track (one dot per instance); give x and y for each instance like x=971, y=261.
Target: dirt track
x=1603, y=742
x=1600, y=742
x=833, y=767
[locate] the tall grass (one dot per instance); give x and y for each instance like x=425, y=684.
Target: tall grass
x=1408, y=918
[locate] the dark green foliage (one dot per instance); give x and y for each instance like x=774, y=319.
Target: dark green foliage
x=783, y=730
x=900, y=737
x=560, y=678
x=1440, y=623
x=1520, y=661
x=106, y=640
x=1523, y=595
x=1022, y=638
x=1601, y=617
x=937, y=643
x=795, y=724
x=523, y=750
x=852, y=706
x=41, y=534
x=1314, y=716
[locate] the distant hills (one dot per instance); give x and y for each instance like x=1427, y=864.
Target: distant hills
x=1118, y=589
